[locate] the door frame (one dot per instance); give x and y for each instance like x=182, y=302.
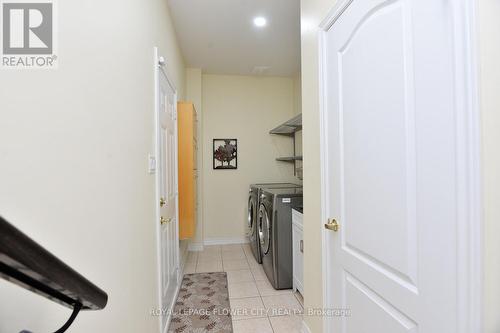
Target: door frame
x=160, y=69
x=468, y=134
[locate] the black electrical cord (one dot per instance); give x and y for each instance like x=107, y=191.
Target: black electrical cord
x=76, y=310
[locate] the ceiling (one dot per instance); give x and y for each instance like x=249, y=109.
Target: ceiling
x=219, y=36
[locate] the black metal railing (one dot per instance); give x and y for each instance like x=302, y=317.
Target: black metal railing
x=29, y=265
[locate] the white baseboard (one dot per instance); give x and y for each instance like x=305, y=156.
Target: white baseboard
x=198, y=246
x=305, y=328
x=225, y=241
x=177, y=290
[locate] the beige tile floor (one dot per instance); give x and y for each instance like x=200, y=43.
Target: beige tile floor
x=257, y=306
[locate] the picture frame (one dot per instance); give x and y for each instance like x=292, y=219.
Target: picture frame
x=225, y=154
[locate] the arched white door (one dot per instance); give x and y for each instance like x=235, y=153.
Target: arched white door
x=395, y=167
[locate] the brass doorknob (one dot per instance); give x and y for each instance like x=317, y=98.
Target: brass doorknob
x=162, y=201
x=164, y=220
x=332, y=225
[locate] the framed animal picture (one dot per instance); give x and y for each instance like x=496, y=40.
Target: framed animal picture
x=225, y=154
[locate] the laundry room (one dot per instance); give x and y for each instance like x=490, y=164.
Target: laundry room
x=259, y=116
x=248, y=219
x=241, y=112
x=241, y=210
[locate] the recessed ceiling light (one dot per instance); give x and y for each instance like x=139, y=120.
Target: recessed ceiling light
x=260, y=21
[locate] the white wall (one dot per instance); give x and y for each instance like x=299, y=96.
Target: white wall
x=489, y=29
x=297, y=93
x=245, y=108
x=297, y=109
x=312, y=13
x=73, y=168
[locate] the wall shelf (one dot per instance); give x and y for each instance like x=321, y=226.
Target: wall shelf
x=289, y=127
x=289, y=159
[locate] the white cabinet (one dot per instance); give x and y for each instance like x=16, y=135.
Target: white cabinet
x=298, y=251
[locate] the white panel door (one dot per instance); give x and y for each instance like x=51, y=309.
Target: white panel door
x=391, y=167
x=167, y=191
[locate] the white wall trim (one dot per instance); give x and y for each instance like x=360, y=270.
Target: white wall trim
x=334, y=14
x=169, y=312
x=305, y=328
x=470, y=221
x=225, y=241
x=157, y=213
x=329, y=20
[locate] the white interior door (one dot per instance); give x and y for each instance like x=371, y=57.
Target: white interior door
x=167, y=192
x=391, y=167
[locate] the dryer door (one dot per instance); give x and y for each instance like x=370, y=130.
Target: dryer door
x=264, y=230
x=251, y=213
